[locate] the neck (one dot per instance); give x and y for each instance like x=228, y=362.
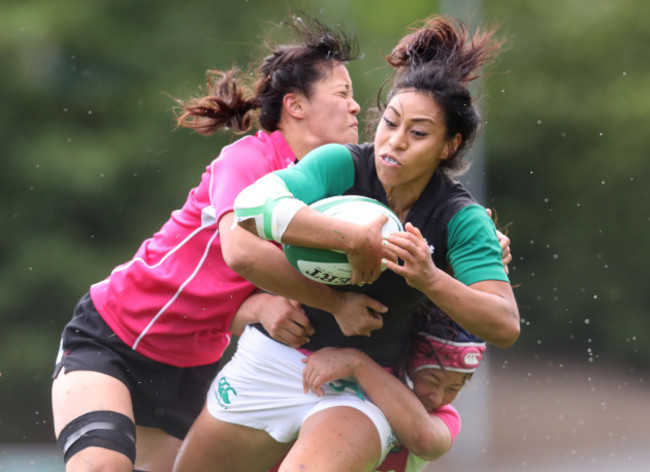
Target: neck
x=300, y=141
x=400, y=202
x=297, y=146
x=402, y=197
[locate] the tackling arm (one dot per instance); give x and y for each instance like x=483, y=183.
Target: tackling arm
x=428, y=436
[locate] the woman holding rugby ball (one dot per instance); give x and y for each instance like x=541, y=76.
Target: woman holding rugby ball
x=428, y=122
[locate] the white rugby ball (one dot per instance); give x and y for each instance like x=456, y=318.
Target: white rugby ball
x=332, y=267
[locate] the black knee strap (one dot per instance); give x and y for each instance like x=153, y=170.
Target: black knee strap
x=104, y=428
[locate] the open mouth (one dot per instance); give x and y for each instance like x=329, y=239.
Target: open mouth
x=389, y=160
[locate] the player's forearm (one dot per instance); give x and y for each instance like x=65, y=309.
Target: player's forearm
x=486, y=309
x=264, y=264
x=249, y=312
x=271, y=271
x=423, y=434
x=310, y=228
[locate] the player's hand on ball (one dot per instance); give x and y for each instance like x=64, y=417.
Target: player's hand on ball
x=409, y=245
x=367, y=252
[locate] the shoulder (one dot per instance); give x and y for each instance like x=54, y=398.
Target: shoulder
x=452, y=193
x=256, y=144
x=259, y=151
x=363, y=155
x=471, y=217
x=328, y=157
x=364, y=150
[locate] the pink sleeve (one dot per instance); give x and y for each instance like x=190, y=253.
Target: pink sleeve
x=238, y=167
x=451, y=418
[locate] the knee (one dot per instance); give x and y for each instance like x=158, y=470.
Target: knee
x=104, y=429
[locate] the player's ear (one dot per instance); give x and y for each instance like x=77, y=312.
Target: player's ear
x=451, y=147
x=294, y=105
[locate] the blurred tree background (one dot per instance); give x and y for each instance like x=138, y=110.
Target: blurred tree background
x=91, y=164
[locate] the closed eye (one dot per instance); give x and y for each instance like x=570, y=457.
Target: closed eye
x=389, y=123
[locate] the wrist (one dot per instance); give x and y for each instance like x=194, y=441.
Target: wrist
x=260, y=301
x=334, y=300
x=437, y=283
x=359, y=362
x=357, y=239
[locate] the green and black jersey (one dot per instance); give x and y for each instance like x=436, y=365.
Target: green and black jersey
x=461, y=235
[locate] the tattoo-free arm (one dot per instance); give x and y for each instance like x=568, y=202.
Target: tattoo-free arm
x=424, y=434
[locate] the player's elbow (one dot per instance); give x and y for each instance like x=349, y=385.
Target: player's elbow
x=238, y=259
x=506, y=328
x=513, y=334
x=430, y=445
x=509, y=333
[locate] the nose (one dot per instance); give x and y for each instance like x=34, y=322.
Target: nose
x=397, y=139
x=355, y=108
x=436, y=397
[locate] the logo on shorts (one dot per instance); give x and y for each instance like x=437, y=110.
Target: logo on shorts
x=223, y=392
x=393, y=442
x=340, y=385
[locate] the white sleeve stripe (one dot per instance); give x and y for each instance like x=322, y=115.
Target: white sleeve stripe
x=283, y=213
x=270, y=204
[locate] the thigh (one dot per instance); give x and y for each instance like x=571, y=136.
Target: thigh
x=168, y=398
x=156, y=450
x=339, y=439
x=261, y=388
x=218, y=446
x=77, y=393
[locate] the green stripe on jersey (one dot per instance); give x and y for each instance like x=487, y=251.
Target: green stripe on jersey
x=474, y=252
x=324, y=172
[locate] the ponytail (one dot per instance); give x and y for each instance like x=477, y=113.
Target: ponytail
x=234, y=101
x=228, y=103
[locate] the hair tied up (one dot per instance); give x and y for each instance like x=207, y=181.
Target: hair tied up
x=448, y=45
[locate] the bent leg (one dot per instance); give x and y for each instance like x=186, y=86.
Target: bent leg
x=218, y=446
x=155, y=450
x=339, y=439
x=77, y=399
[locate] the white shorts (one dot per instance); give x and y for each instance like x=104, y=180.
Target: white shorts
x=261, y=387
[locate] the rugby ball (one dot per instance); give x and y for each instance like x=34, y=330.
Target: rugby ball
x=332, y=267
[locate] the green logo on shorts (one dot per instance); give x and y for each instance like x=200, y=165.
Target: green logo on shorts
x=224, y=391
x=340, y=385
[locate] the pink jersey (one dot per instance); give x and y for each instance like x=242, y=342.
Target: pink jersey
x=174, y=301
x=401, y=459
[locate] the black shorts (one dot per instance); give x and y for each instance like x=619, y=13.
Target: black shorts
x=165, y=397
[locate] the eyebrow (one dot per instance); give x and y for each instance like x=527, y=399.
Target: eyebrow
x=344, y=85
x=415, y=120
x=455, y=384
